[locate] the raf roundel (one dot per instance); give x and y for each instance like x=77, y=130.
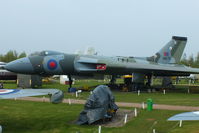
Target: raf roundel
x=52, y=64
x=7, y=91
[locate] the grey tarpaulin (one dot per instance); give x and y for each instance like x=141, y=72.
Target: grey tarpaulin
x=100, y=105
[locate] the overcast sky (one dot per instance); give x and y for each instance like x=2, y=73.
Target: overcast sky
x=112, y=27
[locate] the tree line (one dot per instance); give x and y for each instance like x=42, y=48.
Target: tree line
x=11, y=55
x=190, y=61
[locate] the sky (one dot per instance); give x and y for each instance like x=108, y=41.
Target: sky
x=112, y=27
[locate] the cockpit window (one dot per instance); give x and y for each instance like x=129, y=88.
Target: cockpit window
x=46, y=53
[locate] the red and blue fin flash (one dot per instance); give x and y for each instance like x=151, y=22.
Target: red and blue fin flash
x=166, y=53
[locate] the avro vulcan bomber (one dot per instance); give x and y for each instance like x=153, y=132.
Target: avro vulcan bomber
x=163, y=63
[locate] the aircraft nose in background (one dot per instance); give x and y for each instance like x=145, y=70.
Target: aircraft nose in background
x=22, y=65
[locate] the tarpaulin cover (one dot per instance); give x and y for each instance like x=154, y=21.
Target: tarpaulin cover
x=98, y=106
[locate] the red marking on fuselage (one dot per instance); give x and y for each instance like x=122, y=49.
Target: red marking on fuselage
x=101, y=67
x=52, y=64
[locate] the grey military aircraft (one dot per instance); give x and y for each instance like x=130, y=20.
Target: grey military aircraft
x=163, y=63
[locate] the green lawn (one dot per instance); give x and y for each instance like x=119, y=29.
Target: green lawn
x=35, y=117
x=158, y=97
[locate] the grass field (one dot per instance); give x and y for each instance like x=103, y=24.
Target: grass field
x=158, y=97
x=35, y=117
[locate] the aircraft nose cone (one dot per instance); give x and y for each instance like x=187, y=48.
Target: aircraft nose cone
x=22, y=65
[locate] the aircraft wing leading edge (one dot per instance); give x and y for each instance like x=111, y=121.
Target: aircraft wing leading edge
x=187, y=116
x=117, y=67
x=56, y=96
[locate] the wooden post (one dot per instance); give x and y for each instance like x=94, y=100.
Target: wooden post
x=99, y=129
x=125, y=119
x=138, y=92
x=135, y=112
x=180, y=125
x=69, y=101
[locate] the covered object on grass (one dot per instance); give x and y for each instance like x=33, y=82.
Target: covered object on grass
x=100, y=105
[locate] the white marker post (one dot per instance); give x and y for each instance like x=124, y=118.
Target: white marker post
x=125, y=118
x=43, y=98
x=143, y=105
x=138, y=92
x=153, y=130
x=180, y=125
x=99, y=129
x=76, y=94
x=1, y=129
x=164, y=92
x=135, y=112
x=79, y=92
x=188, y=91
x=91, y=92
x=69, y=101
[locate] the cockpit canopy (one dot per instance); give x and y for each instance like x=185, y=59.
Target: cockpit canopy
x=46, y=53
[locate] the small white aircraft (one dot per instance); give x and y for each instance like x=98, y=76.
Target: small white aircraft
x=56, y=96
x=187, y=116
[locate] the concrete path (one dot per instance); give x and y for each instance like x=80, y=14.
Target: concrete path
x=120, y=104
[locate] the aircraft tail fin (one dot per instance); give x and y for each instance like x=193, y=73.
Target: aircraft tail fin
x=171, y=52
